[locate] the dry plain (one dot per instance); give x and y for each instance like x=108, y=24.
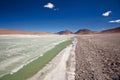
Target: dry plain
x=98, y=57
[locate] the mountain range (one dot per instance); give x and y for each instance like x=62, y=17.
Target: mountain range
x=65, y=32
x=87, y=31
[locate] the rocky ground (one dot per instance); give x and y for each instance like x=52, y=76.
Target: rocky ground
x=98, y=57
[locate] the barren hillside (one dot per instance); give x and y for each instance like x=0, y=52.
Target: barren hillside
x=85, y=31
x=98, y=57
x=66, y=32
x=114, y=30
x=9, y=31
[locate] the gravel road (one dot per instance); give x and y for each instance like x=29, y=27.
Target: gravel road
x=98, y=57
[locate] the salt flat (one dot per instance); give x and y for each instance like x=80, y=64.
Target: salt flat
x=18, y=50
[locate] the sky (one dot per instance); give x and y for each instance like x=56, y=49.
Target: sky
x=57, y=15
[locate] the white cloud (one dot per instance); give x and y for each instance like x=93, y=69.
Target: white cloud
x=115, y=21
x=49, y=5
x=107, y=13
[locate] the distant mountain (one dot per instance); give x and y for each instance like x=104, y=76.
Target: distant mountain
x=114, y=30
x=8, y=31
x=65, y=32
x=84, y=31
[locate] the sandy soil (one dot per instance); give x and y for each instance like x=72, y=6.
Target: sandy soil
x=59, y=72
x=98, y=57
x=71, y=63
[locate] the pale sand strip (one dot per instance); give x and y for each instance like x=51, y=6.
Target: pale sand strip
x=57, y=68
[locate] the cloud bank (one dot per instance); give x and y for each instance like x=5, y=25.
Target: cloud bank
x=49, y=5
x=115, y=21
x=107, y=13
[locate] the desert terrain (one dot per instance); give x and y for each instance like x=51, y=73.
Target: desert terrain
x=89, y=56
x=98, y=57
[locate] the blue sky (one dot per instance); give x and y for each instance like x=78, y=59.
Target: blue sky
x=32, y=15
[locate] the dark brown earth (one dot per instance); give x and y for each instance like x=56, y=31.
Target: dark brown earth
x=98, y=57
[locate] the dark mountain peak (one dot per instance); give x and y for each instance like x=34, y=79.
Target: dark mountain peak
x=84, y=31
x=65, y=32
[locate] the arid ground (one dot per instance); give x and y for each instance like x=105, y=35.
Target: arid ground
x=98, y=57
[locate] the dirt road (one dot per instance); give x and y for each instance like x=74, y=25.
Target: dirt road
x=98, y=57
